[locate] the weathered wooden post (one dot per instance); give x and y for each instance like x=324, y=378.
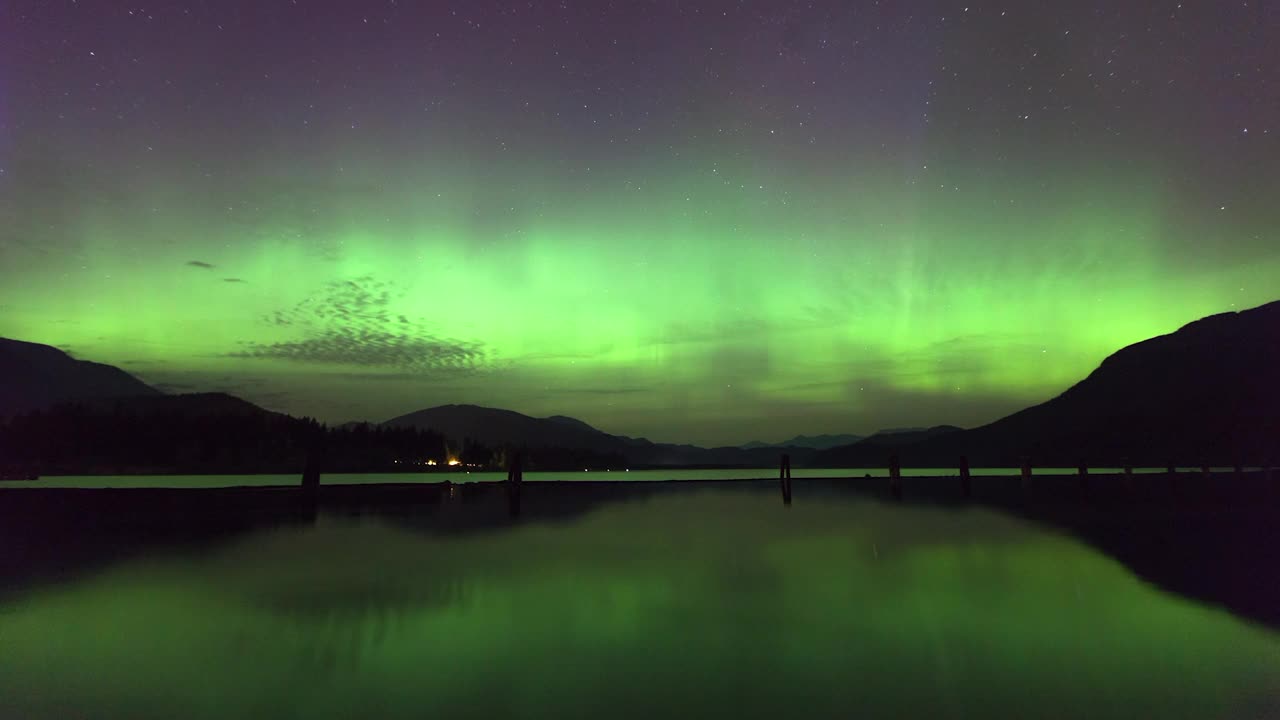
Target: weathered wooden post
x=784, y=478
x=310, y=489
x=515, y=477
x=1083, y=471
x=1026, y=473
x=895, y=477
x=1128, y=474
x=311, y=477
x=1204, y=471
x=966, y=483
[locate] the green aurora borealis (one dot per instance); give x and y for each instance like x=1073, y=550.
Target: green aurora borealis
x=727, y=277
x=724, y=304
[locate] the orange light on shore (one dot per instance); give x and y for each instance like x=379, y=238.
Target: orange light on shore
x=431, y=462
x=454, y=461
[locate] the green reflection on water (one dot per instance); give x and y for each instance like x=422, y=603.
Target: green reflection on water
x=697, y=603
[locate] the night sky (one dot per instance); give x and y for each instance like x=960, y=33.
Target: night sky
x=696, y=221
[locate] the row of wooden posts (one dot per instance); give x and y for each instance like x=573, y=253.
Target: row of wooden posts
x=515, y=477
x=966, y=479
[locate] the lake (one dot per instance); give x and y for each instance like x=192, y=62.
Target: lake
x=198, y=481
x=679, y=604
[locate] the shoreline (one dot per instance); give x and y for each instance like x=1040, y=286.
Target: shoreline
x=1151, y=487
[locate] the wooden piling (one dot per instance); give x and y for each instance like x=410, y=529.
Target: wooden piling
x=784, y=478
x=1128, y=474
x=1026, y=473
x=311, y=477
x=309, y=488
x=895, y=477
x=515, y=477
x=1083, y=471
x=966, y=482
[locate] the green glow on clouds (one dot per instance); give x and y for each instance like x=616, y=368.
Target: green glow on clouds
x=691, y=299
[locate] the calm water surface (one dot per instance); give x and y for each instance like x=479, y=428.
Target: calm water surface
x=174, y=481
x=681, y=605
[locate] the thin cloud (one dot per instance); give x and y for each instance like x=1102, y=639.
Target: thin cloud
x=351, y=323
x=369, y=348
x=200, y=264
x=232, y=280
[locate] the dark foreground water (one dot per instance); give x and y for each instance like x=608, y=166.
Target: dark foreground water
x=698, y=604
x=211, y=481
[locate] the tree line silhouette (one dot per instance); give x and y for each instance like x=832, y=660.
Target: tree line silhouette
x=120, y=438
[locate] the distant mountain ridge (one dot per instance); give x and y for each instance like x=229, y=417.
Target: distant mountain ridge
x=899, y=431
x=35, y=377
x=500, y=427
x=813, y=442
x=826, y=442
x=907, y=436
x=188, y=404
x=1208, y=392
x=505, y=427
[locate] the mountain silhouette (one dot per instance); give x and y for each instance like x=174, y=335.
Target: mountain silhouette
x=494, y=426
x=907, y=436
x=899, y=431
x=572, y=422
x=813, y=442
x=37, y=376
x=187, y=404
x=507, y=428
x=1209, y=392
